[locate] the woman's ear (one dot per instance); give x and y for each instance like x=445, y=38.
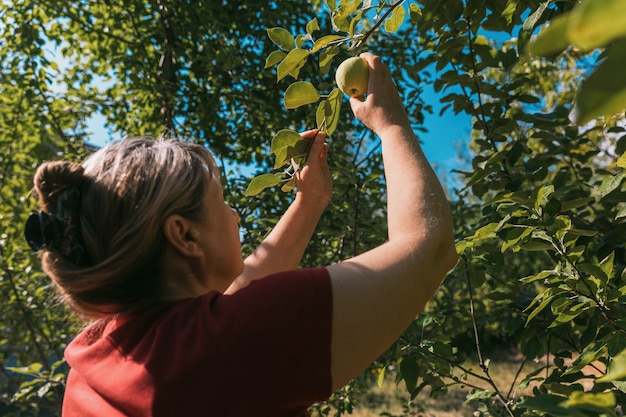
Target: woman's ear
x=182, y=235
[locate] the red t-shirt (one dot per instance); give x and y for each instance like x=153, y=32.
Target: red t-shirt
x=264, y=351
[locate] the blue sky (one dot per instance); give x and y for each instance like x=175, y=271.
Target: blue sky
x=445, y=134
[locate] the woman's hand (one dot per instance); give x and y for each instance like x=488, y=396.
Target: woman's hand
x=283, y=248
x=382, y=106
x=314, y=181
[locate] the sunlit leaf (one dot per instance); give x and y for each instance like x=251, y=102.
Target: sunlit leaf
x=292, y=63
x=607, y=265
x=324, y=41
x=594, y=23
x=281, y=37
x=552, y=39
x=603, y=93
x=284, y=138
x=312, y=26
x=533, y=18
x=381, y=376
x=287, y=153
x=514, y=236
x=326, y=57
x=610, y=184
x=616, y=369
x=585, y=359
x=261, y=182
x=590, y=401
x=274, y=58
x=300, y=93
x=509, y=10
x=415, y=13
x=302, y=38
x=328, y=112
x=396, y=19
x=289, y=185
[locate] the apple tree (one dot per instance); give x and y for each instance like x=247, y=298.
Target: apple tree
x=539, y=210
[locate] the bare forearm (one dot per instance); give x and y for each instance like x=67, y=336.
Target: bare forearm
x=417, y=205
x=284, y=246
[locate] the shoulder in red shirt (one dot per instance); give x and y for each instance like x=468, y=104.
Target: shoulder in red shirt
x=264, y=351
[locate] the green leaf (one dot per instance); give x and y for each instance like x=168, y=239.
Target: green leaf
x=509, y=10
x=301, y=39
x=616, y=369
x=284, y=138
x=289, y=185
x=287, y=153
x=300, y=93
x=312, y=26
x=576, y=203
x=535, y=245
x=281, y=38
x=292, y=64
x=593, y=270
x=539, y=276
x=33, y=369
x=326, y=58
x=328, y=112
x=415, y=13
x=514, y=236
x=603, y=93
x=396, y=19
x=410, y=371
x=599, y=402
x=261, y=182
x=611, y=183
x=543, y=194
x=607, y=265
x=545, y=402
x=621, y=161
x=323, y=42
x=486, y=231
x=274, y=58
x=546, y=297
x=552, y=39
x=594, y=23
x=381, y=377
x=531, y=21
x=585, y=359
x=479, y=394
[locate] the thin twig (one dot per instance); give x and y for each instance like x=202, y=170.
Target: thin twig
x=379, y=22
x=481, y=362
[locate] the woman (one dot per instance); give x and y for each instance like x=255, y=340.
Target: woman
x=138, y=238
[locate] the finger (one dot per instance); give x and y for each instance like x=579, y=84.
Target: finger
x=309, y=134
x=324, y=153
x=318, y=148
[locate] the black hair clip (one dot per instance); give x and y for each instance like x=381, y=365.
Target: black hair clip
x=35, y=230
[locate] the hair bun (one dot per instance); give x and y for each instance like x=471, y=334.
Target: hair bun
x=53, y=179
x=60, y=187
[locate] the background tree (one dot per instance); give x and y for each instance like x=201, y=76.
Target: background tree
x=539, y=215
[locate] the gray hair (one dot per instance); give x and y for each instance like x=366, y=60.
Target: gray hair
x=106, y=257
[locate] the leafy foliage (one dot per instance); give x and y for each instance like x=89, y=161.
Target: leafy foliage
x=539, y=214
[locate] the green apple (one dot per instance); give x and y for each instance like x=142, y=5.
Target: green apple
x=352, y=76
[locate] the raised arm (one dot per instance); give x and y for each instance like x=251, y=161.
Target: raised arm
x=377, y=294
x=283, y=248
